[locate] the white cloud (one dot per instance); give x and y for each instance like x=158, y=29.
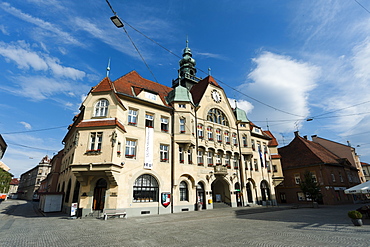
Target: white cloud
x=26, y=125
x=44, y=25
x=3, y=30
x=21, y=53
x=283, y=83
x=242, y=104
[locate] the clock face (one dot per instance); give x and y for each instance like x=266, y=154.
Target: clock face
x=216, y=96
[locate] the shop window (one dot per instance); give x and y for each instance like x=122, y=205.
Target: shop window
x=145, y=189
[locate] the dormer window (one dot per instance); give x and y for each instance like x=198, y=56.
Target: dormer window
x=182, y=106
x=150, y=95
x=101, y=108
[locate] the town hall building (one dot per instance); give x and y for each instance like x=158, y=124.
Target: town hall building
x=145, y=148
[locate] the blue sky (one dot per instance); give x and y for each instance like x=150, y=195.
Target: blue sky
x=299, y=59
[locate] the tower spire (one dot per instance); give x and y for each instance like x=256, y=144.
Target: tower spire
x=108, y=68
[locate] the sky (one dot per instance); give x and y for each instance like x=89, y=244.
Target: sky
x=284, y=62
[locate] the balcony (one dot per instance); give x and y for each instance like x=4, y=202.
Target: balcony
x=220, y=170
x=84, y=171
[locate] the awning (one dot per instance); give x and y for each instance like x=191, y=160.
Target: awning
x=363, y=188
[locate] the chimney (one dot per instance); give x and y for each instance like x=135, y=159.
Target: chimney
x=305, y=137
x=296, y=133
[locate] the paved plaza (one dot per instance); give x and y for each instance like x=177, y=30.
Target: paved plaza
x=21, y=224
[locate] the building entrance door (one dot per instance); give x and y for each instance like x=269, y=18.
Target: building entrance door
x=99, y=194
x=200, y=195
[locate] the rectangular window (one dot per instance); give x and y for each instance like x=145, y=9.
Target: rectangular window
x=242, y=125
x=297, y=178
x=314, y=179
x=265, y=148
x=118, y=148
x=210, y=133
x=200, y=131
x=235, y=141
x=227, y=137
x=253, y=146
x=218, y=135
x=301, y=196
x=182, y=125
x=245, y=144
x=333, y=177
x=341, y=178
x=181, y=155
x=255, y=164
x=200, y=157
x=210, y=158
x=164, y=124
x=227, y=160
x=364, y=171
x=245, y=162
x=130, y=149
x=218, y=159
x=149, y=120
x=274, y=168
x=96, y=141
x=182, y=106
x=151, y=96
x=132, y=117
x=163, y=153
x=190, y=156
x=235, y=161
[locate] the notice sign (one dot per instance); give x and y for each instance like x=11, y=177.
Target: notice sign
x=148, y=159
x=74, y=208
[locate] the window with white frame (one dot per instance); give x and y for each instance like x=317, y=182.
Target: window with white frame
x=96, y=139
x=150, y=95
x=149, y=120
x=255, y=164
x=265, y=148
x=182, y=106
x=210, y=158
x=181, y=155
x=200, y=131
x=314, y=179
x=218, y=159
x=297, y=178
x=227, y=137
x=101, y=108
x=182, y=125
x=164, y=124
x=245, y=144
x=190, y=156
x=163, y=153
x=217, y=116
x=119, y=148
x=132, y=117
x=218, y=135
x=184, y=194
x=130, y=151
x=200, y=157
x=235, y=161
x=253, y=145
x=235, y=141
x=301, y=196
x=333, y=177
x=210, y=133
x=227, y=159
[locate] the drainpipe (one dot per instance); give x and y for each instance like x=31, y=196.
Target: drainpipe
x=172, y=157
x=240, y=165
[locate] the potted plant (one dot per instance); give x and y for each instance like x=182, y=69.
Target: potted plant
x=356, y=217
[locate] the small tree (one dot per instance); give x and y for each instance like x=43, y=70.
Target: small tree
x=309, y=186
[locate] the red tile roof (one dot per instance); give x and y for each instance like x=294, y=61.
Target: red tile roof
x=101, y=123
x=198, y=89
x=302, y=152
x=133, y=82
x=104, y=85
x=14, y=181
x=273, y=142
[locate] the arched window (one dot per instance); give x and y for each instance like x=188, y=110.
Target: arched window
x=184, y=193
x=217, y=116
x=145, y=189
x=101, y=108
